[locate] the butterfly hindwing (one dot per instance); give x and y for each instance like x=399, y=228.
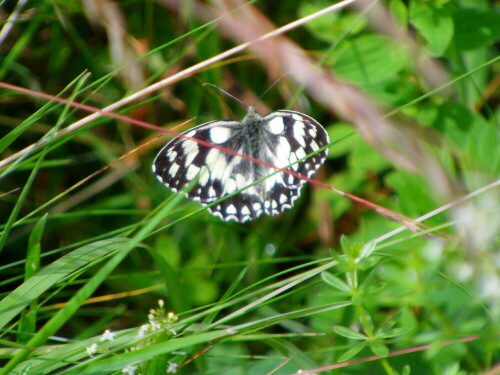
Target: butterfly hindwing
x=279, y=138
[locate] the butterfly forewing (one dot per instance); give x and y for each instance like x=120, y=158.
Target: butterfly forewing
x=280, y=138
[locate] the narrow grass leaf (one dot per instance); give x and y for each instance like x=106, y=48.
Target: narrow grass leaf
x=349, y=333
x=31, y=289
x=79, y=298
x=335, y=282
x=121, y=361
x=353, y=351
x=290, y=315
x=367, y=250
x=32, y=266
x=378, y=348
x=300, y=358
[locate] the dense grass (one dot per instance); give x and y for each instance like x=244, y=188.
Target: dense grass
x=90, y=241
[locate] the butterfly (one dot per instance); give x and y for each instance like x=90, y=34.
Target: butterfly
x=279, y=138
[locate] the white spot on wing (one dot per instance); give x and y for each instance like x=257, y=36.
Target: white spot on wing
x=172, y=155
x=298, y=132
x=231, y=209
x=283, y=146
x=244, y=219
x=276, y=125
x=245, y=210
x=220, y=135
x=190, y=147
x=300, y=153
x=219, y=166
x=173, y=170
x=204, y=176
x=190, y=157
x=192, y=172
x=241, y=181
x=218, y=214
x=230, y=186
x=231, y=217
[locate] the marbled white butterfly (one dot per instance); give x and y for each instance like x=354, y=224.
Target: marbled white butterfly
x=279, y=138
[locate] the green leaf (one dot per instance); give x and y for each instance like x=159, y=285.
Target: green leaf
x=258, y=324
x=345, y=244
x=349, y=333
x=33, y=257
x=399, y=13
x=434, y=24
x=367, y=250
x=27, y=324
x=332, y=27
x=475, y=28
x=335, y=282
x=378, y=348
x=369, y=59
x=365, y=158
x=352, y=352
x=393, y=333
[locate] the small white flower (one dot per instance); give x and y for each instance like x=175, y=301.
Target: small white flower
x=108, y=335
x=142, y=331
x=171, y=317
x=155, y=325
x=172, y=368
x=130, y=370
x=91, y=349
x=161, y=303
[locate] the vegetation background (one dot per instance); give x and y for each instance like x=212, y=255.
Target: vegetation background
x=91, y=241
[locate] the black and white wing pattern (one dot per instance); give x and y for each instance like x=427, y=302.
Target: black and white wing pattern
x=279, y=138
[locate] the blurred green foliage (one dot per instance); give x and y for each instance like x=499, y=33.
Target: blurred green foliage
x=342, y=297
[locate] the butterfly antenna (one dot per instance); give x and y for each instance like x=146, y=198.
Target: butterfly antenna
x=226, y=93
x=270, y=87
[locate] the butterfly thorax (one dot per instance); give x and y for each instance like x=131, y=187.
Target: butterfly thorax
x=253, y=131
x=255, y=144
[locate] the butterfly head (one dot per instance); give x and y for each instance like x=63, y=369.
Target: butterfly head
x=252, y=117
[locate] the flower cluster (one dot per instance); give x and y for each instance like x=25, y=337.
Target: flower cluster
x=158, y=320
x=105, y=338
